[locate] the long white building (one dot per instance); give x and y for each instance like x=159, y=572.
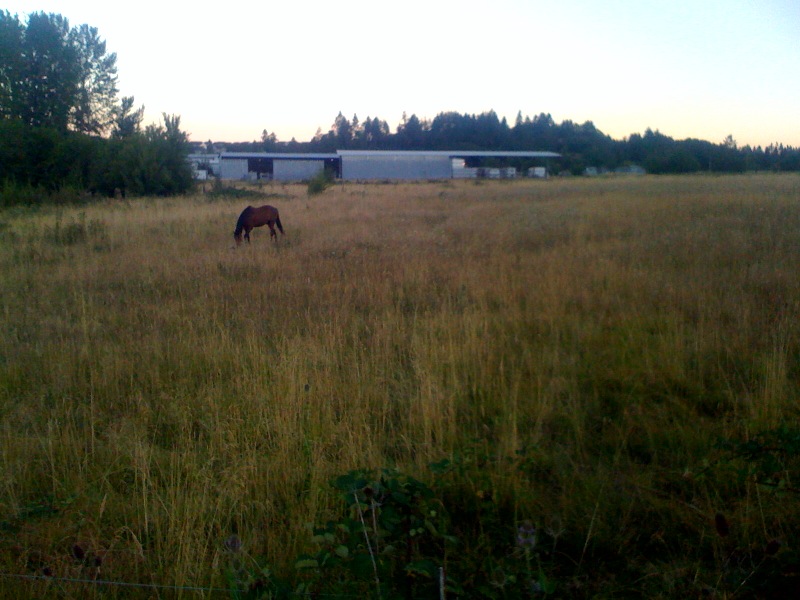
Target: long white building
x=365, y=165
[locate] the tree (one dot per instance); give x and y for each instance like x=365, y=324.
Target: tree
x=269, y=141
x=55, y=76
x=127, y=122
x=343, y=131
x=47, y=86
x=58, y=96
x=151, y=163
x=376, y=132
x=729, y=142
x=356, y=128
x=410, y=132
x=94, y=107
x=11, y=65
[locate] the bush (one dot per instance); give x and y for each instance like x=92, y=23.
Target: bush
x=320, y=182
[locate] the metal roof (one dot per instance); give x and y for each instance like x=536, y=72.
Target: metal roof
x=451, y=153
x=279, y=155
x=378, y=153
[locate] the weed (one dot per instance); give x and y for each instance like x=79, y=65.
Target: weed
x=320, y=182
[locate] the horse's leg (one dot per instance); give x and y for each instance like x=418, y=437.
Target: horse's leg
x=272, y=233
x=247, y=231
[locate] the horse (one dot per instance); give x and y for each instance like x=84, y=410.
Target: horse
x=256, y=217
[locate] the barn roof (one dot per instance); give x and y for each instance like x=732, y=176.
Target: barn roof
x=379, y=153
x=280, y=155
x=452, y=153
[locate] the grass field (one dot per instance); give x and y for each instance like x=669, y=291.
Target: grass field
x=612, y=364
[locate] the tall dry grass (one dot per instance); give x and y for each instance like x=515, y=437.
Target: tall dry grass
x=577, y=347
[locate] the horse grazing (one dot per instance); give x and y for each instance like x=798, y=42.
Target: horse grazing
x=256, y=217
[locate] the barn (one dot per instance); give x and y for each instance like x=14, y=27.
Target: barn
x=421, y=165
x=366, y=165
x=275, y=165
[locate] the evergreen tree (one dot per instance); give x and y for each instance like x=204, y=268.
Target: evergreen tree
x=342, y=131
x=410, y=133
x=269, y=141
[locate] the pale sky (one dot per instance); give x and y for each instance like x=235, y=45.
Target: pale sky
x=230, y=69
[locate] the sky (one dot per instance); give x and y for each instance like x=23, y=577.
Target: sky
x=230, y=69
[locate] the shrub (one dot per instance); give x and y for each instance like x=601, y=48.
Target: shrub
x=320, y=182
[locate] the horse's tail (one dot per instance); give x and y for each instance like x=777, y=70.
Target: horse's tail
x=278, y=222
x=240, y=223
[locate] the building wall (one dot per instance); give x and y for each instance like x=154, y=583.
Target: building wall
x=296, y=170
x=465, y=173
x=396, y=166
x=363, y=165
x=233, y=168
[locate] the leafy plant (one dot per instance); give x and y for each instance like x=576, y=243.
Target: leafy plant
x=249, y=577
x=390, y=539
x=320, y=182
x=750, y=564
x=769, y=458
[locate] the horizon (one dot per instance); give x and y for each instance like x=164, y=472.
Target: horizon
x=393, y=131
x=686, y=69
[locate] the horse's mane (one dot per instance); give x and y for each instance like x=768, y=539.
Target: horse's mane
x=242, y=217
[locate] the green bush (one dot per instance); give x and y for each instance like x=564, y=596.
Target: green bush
x=320, y=182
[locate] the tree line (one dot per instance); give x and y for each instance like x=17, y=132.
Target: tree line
x=64, y=131
x=580, y=145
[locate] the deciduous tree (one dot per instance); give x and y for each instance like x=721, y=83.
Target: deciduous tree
x=127, y=122
x=55, y=76
x=94, y=108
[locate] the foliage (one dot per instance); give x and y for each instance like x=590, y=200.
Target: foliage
x=386, y=545
x=55, y=76
x=389, y=540
x=37, y=164
x=57, y=95
x=44, y=160
x=320, y=182
x=769, y=458
x=127, y=121
x=767, y=463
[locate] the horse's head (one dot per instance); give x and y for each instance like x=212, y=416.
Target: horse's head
x=237, y=235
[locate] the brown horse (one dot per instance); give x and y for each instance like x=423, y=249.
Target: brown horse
x=256, y=217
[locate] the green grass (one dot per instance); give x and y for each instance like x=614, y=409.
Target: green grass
x=589, y=356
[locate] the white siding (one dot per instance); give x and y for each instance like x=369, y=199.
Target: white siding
x=233, y=168
x=396, y=166
x=296, y=170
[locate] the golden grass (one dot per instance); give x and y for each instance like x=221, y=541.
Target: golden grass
x=161, y=389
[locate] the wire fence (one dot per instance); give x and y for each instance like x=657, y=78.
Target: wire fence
x=234, y=592
x=127, y=584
